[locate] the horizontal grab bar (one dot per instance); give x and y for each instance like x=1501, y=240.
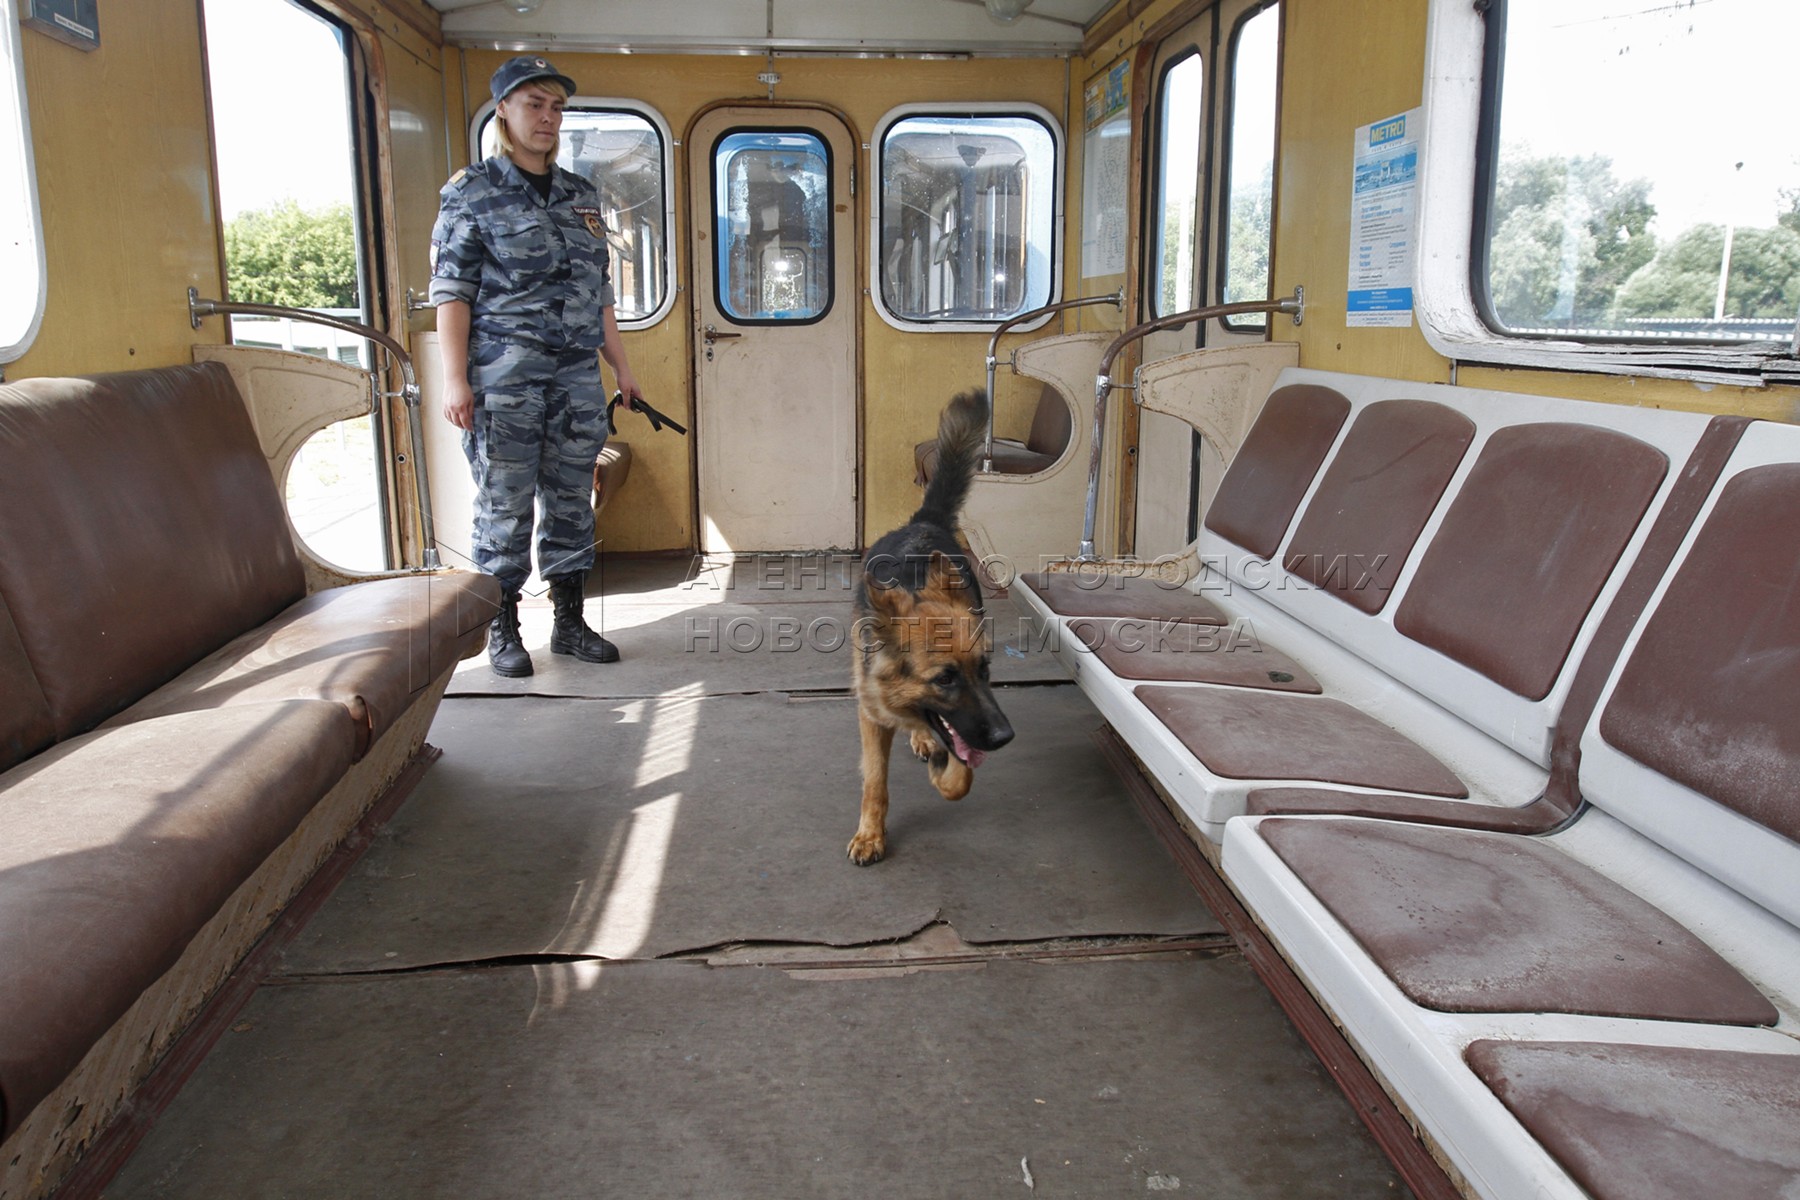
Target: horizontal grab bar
x=1117, y=299
x=199, y=309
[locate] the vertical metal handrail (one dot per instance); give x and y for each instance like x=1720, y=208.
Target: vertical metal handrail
x=1294, y=306
x=409, y=390
x=1117, y=299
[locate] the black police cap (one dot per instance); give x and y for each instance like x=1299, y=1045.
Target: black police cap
x=524, y=69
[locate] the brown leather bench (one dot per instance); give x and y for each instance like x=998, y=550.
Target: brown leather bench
x=184, y=732
x=611, y=470
x=1052, y=426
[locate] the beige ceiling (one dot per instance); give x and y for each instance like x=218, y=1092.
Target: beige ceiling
x=757, y=26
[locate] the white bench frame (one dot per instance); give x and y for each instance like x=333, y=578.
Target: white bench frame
x=1497, y=742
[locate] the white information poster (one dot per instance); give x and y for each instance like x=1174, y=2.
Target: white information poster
x=1384, y=209
x=1105, y=172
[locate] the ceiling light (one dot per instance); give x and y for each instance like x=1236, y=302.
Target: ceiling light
x=524, y=7
x=1006, y=11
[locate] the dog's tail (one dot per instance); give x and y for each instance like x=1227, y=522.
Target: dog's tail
x=962, y=430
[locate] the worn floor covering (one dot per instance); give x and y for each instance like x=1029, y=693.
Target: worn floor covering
x=641, y=828
x=671, y=1079
x=611, y=946
x=714, y=626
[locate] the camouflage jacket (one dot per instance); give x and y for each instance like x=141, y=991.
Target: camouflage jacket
x=531, y=272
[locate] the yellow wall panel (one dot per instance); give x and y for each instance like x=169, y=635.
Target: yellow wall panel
x=420, y=153
x=1349, y=62
x=909, y=376
x=124, y=182
x=1365, y=60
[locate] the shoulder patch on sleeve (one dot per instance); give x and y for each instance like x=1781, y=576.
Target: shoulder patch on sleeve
x=458, y=177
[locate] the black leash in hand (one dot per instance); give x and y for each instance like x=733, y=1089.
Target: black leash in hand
x=637, y=404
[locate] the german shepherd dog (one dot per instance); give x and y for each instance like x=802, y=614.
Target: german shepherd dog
x=921, y=661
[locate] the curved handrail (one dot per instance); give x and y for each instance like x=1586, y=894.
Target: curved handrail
x=1294, y=306
x=409, y=391
x=1117, y=299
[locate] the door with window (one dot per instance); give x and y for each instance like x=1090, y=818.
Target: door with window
x=1212, y=156
x=775, y=329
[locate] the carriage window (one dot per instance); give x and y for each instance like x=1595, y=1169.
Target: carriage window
x=1178, y=183
x=1249, y=233
x=772, y=197
x=624, y=152
x=21, y=235
x=293, y=238
x=968, y=214
x=1642, y=179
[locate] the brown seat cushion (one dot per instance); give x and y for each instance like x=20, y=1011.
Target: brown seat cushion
x=117, y=846
x=1533, y=533
x=1708, y=697
x=369, y=647
x=1077, y=594
x=1010, y=458
x=1632, y=1122
x=1051, y=428
x=25, y=724
x=1468, y=921
x=1189, y=652
x=1273, y=468
x=1263, y=735
x=1380, y=490
x=169, y=563
x=1052, y=425
x=611, y=470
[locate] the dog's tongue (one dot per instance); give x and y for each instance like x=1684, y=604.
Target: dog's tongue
x=972, y=757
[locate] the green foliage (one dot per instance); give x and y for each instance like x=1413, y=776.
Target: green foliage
x=1571, y=247
x=1566, y=236
x=1177, y=260
x=1247, y=250
x=1683, y=281
x=284, y=254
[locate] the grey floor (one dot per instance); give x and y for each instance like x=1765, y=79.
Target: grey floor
x=611, y=946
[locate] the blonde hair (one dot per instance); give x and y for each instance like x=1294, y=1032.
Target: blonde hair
x=504, y=136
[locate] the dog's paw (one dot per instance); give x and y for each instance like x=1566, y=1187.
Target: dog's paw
x=952, y=777
x=924, y=745
x=867, y=849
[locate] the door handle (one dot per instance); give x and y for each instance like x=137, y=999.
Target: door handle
x=711, y=335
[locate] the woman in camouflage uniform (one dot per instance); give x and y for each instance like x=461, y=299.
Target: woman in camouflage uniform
x=523, y=288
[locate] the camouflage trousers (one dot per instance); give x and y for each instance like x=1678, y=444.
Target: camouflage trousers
x=540, y=422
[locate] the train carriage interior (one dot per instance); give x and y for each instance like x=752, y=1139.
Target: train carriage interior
x=1383, y=510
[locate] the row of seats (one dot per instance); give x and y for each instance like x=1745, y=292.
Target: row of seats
x=185, y=731
x=1483, y=704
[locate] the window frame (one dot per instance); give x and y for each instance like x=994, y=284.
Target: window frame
x=1259, y=323
x=1159, y=176
x=15, y=131
x=1454, y=178
x=585, y=103
x=877, y=203
x=725, y=310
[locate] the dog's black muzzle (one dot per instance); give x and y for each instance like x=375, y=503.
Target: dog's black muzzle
x=978, y=726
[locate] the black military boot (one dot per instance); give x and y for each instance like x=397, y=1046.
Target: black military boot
x=506, y=653
x=570, y=634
